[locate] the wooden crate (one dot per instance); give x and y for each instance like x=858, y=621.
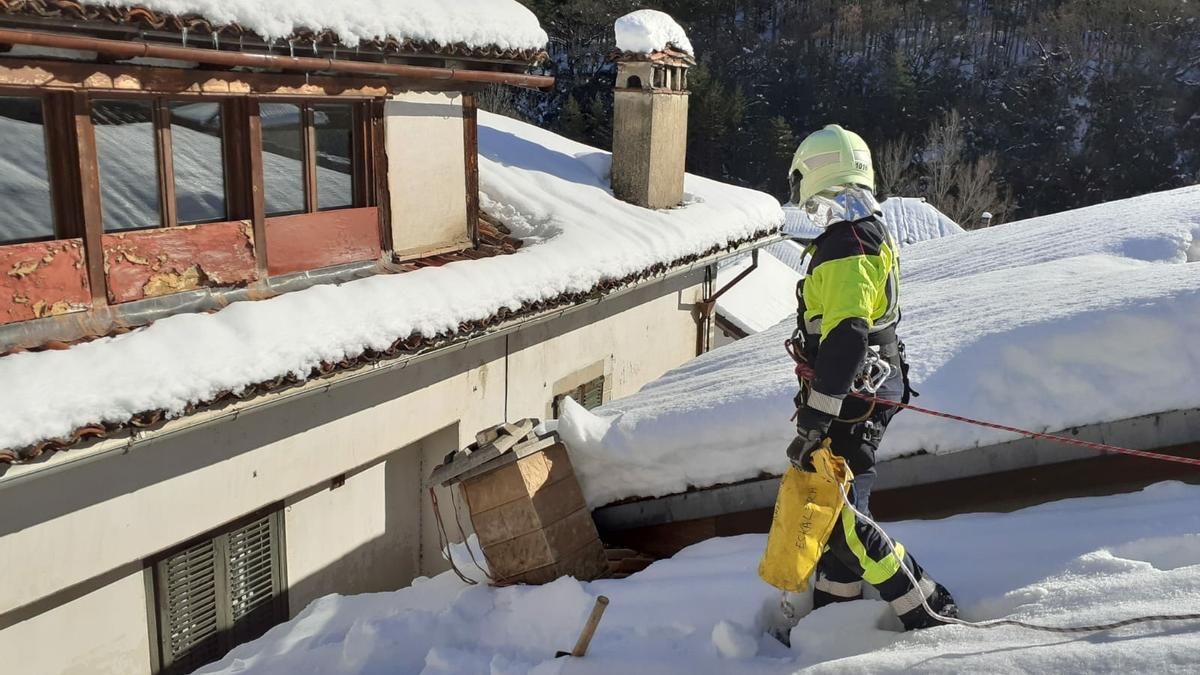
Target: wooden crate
x=531, y=519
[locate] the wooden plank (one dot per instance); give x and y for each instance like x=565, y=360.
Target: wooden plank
x=88, y=190
x=62, y=157
x=310, y=241
x=484, y=460
x=43, y=278
x=162, y=261
x=471, y=148
x=235, y=160
x=258, y=209
x=37, y=73
x=379, y=174
x=165, y=154
x=309, y=138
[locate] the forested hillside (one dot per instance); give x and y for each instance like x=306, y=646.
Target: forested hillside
x=1017, y=108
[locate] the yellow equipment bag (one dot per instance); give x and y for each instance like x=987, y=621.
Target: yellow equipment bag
x=806, y=511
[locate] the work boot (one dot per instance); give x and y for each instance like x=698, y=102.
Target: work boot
x=940, y=601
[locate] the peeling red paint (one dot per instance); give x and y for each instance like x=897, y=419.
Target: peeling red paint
x=150, y=263
x=42, y=279
x=311, y=241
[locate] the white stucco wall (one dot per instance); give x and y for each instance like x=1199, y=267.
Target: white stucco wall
x=427, y=174
x=79, y=536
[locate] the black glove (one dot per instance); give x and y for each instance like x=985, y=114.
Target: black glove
x=812, y=426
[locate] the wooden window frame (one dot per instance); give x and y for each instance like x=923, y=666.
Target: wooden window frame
x=61, y=164
x=227, y=634
x=364, y=191
x=165, y=160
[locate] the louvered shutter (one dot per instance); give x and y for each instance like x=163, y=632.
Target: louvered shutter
x=218, y=593
x=253, y=579
x=189, y=609
x=592, y=394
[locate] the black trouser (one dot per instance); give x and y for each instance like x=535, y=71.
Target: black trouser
x=856, y=552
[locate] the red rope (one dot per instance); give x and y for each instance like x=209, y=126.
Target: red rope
x=1033, y=434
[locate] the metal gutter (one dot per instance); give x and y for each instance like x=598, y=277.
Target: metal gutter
x=204, y=419
x=1161, y=430
x=136, y=49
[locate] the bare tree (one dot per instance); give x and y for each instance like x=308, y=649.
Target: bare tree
x=895, y=168
x=961, y=188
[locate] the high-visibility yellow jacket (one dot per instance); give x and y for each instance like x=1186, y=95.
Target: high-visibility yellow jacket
x=851, y=299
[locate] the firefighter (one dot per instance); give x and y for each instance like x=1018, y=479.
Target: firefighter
x=849, y=309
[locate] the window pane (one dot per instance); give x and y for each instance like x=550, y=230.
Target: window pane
x=199, y=163
x=128, y=165
x=335, y=138
x=283, y=158
x=24, y=188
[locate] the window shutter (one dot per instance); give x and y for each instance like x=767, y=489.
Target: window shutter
x=189, y=607
x=253, y=579
x=592, y=395
x=226, y=589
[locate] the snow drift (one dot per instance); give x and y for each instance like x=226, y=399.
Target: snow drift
x=705, y=610
x=552, y=192
x=648, y=30
x=1065, y=320
x=506, y=24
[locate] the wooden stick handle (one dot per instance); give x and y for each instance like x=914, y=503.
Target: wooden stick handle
x=589, y=628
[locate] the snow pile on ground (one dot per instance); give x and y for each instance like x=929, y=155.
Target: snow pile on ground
x=1076, y=562
x=910, y=220
x=1065, y=320
x=506, y=24
x=553, y=192
x=647, y=31
x=761, y=299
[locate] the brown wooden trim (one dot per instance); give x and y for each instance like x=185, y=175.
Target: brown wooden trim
x=164, y=152
x=380, y=173
x=89, y=191
x=34, y=74
x=309, y=139
x=254, y=161
x=62, y=155
x=360, y=156
x=471, y=150
x=234, y=159
x=126, y=49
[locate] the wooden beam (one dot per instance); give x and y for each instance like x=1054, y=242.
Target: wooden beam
x=309, y=140
x=379, y=173
x=235, y=160
x=471, y=149
x=62, y=159
x=105, y=77
x=165, y=155
x=89, y=192
x=254, y=160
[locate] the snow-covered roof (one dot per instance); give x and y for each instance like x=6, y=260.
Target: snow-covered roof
x=910, y=219
x=505, y=25
x=1076, y=562
x=764, y=297
x=551, y=192
x=767, y=296
x=648, y=30
x=1076, y=318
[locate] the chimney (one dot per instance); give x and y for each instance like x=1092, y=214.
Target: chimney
x=650, y=111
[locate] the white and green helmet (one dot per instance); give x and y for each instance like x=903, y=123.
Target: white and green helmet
x=830, y=158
